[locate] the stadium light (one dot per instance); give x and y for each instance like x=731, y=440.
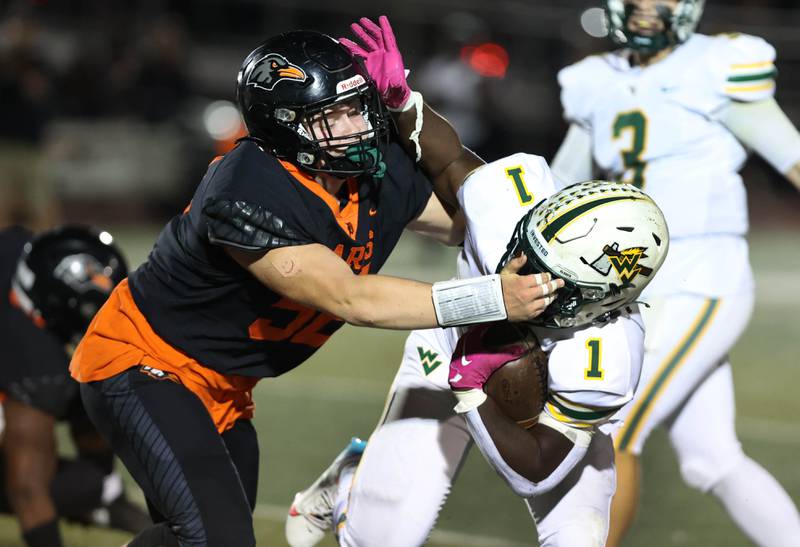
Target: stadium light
x=490, y=60
x=593, y=22
x=222, y=120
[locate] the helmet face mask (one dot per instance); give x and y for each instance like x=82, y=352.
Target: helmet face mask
x=288, y=90
x=605, y=240
x=678, y=24
x=64, y=276
x=323, y=150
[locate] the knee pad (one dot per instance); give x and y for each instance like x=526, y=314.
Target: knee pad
x=703, y=473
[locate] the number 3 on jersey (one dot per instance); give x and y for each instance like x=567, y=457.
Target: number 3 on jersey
x=635, y=121
x=515, y=174
x=594, y=371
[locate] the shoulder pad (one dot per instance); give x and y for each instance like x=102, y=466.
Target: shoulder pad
x=744, y=66
x=527, y=177
x=247, y=226
x=494, y=197
x=579, y=84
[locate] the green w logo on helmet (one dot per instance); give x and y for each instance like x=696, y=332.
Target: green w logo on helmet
x=626, y=262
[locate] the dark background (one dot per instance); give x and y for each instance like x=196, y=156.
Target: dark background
x=108, y=98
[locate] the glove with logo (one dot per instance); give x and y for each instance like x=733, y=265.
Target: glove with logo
x=472, y=364
x=382, y=58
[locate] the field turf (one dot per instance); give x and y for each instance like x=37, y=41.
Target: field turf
x=305, y=417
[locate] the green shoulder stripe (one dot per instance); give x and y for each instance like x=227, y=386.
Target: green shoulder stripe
x=582, y=416
x=755, y=77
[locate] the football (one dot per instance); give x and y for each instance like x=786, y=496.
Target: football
x=519, y=387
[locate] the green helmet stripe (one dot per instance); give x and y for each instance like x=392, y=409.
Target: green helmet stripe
x=551, y=230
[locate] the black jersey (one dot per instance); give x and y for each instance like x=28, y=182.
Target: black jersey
x=199, y=300
x=33, y=363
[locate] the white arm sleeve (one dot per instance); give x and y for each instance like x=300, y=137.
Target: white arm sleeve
x=573, y=161
x=764, y=127
x=519, y=484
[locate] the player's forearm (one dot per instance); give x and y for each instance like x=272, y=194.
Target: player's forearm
x=534, y=453
x=444, y=160
x=315, y=277
x=441, y=222
x=386, y=302
x=440, y=143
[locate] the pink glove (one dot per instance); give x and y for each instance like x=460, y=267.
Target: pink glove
x=472, y=363
x=382, y=59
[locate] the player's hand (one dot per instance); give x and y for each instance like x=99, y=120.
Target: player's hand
x=472, y=363
x=526, y=296
x=384, y=63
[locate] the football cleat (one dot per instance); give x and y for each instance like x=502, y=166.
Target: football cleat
x=121, y=514
x=311, y=513
x=125, y=515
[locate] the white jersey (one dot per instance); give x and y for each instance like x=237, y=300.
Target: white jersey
x=658, y=127
x=594, y=370
x=655, y=126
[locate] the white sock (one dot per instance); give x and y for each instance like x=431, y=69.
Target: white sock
x=112, y=488
x=342, y=494
x=759, y=506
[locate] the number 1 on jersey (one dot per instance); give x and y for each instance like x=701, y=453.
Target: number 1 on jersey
x=515, y=174
x=594, y=371
x=636, y=121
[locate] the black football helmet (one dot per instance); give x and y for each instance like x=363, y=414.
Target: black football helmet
x=65, y=275
x=298, y=76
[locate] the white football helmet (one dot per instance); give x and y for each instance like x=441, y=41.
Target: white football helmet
x=606, y=240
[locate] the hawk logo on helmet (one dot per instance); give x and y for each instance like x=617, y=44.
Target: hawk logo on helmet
x=273, y=68
x=626, y=262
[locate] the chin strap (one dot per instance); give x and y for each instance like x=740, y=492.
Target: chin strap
x=358, y=153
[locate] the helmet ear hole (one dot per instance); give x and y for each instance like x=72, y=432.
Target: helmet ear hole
x=276, y=133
